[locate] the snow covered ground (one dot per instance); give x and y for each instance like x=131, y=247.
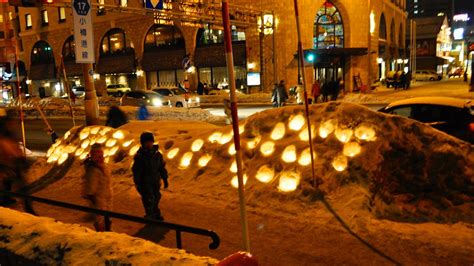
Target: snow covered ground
x=394, y=189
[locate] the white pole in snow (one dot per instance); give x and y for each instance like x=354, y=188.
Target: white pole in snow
x=235, y=122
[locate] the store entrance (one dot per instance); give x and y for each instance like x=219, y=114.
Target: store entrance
x=328, y=74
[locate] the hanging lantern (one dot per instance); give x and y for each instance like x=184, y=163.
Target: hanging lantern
x=278, y=132
x=340, y=163
x=225, y=138
x=305, y=157
x=235, y=181
x=265, y=174
x=326, y=128
x=251, y=144
x=351, y=149
x=110, y=143
x=289, y=154
x=197, y=145
x=204, y=160
x=343, y=135
x=134, y=150
x=215, y=137
x=172, y=153
x=267, y=148
x=365, y=132
x=289, y=181
x=232, y=149
x=297, y=122
x=186, y=160
x=118, y=134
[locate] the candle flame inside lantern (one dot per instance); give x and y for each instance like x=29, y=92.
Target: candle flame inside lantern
x=84, y=134
x=340, y=163
x=232, y=149
x=267, y=148
x=186, y=159
x=85, y=144
x=365, y=132
x=233, y=167
x=304, y=136
x=95, y=130
x=102, y=139
x=351, y=149
x=235, y=181
x=343, y=135
x=297, y=122
x=63, y=158
x=289, y=181
x=305, y=158
x=110, y=143
x=197, y=145
x=326, y=128
x=251, y=144
x=127, y=143
x=278, y=132
x=172, y=153
x=215, y=137
x=225, y=138
x=204, y=160
x=134, y=150
x=265, y=174
x=118, y=134
x=105, y=130
x=289, y=154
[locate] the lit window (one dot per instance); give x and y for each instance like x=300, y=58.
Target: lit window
x=10, y=16
x=44, y=17
x=29, y=22
x=123, y=3
x=62, y=14
x=101, y=9
x=1, y=18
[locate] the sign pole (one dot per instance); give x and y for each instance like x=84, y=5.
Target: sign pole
x=235, y=122
x=20, y=102
x=69, y=91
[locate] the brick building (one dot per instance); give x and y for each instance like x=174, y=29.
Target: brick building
x=143, y=51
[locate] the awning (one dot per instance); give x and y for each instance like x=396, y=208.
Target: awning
x=337, y=51
x=163, y=60
x=72, y=69
x=430, y=62
x=213, y=55
x=42, y=71
x=117, y=63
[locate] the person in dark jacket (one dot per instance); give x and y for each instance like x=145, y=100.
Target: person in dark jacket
x=148, y=172
x=116, y=117
x=325, y=90
x=200, y=88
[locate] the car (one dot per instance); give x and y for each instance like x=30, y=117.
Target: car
x=450, y=115
x=139, y=98
x=178, y=97
x=440, y=76
x=117, y=89
x=79, y=91
x=456, y=72
x=425, y=75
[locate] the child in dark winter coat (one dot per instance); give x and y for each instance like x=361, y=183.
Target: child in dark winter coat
x=148, y=172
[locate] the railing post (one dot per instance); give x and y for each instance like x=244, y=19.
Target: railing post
x=178, y=239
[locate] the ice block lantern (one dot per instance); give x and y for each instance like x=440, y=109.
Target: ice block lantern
x=289, y=181
x=267, y=148
x=351, y=149
x=296, y=122
x=326, y=128
x=340, y=163
x=172, y=153
x=204, y=160
x=186, y=160
x=278, y=132
x=265, y=174
x=289, y=154
x=235, y=181
x=343, y=134
x=197, y=145
x=365, y=132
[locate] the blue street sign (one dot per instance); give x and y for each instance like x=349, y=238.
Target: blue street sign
x=81, y=7
x=154, y=4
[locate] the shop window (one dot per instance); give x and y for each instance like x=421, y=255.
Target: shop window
x=69, y=49
x=382, y=28
x=1, y=18
x=28, y=21
x=216, y=77
x=328, y=28
x=164, y=37
x=392, y=32
x=114, y=42
x=41, y=53
x=44, y=18
x=208, y=36
x=61, y=14
x=101, y=8
x=123, y=3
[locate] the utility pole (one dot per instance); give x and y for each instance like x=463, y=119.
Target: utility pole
x=91, y=105
x=369, y=43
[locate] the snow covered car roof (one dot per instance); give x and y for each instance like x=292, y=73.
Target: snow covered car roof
x=447, y=101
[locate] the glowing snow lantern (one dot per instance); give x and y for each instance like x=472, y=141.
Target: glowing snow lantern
x=84, y=134
x=118, y=134
x=305, y=158
x=343, y=135
x=197, y=145
x=241, y=129
x=172, y=153
x=233, y=167
x=235, y=181
x=101, y=140
x=85, y=144
x=186, y=159
x=70, y=148
x=106, y=159
x=79, y=152
x=67, y=134
x=267, y=148
x=289, y=154
x=83, y=156
x=111, y=143
x=113, y=151
x=278, y=132
x=55, y=156
x=304, y=134
x=105, y=130
x=95, y=130
x=351, y=149
x=365, y=133
x=289, y=181
x=225, y=138
x=204, y=160
x=296, y=122
x=340, y=163
x=215, y=137
x=62, y=158
x=265, y=174
x=127, y=143
x=251, y=144
x=325, y=129
x=50, y=159
x=134, y=150
x=50, y=151
x=232, y=149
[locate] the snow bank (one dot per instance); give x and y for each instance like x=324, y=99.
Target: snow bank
x=242, y=98
x=49, y=242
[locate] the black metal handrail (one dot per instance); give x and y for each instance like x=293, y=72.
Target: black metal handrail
x=108, y=214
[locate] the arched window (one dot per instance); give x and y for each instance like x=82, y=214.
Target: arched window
x=208, y=35
x=382, y=28
x=42, y=53
x=164, y=37
x=400, y=36
x=114, y=42
x=392, y=32
x=328, y=28
x=69, y=49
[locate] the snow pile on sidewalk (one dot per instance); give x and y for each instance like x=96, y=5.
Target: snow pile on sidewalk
x=49, y=242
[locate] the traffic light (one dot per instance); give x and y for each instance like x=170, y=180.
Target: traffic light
x=309, y=56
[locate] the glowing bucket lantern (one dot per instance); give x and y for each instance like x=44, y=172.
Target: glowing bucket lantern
x=118, y=134
x=304, y=134
x=305, y=158
x=265, y=174
x=225, y=138
x=204, y=160
x=62, y=158
x=365, y=133
x=289, y=154
x=110, y=143
x=325, y=129
x=267, y=148
x=127, y=143
x=95, y=130
x=101, y=139
x=79, y=152
x=233, y=167
x=84, y=134
x=251, y=144
x=296, y=122
x=134, y=150
x=197, y=145
x=235, y=181
x=351, y=149
x=172, y=153
x=289, y=181
x=232, y=149
x=215, y=137
x=343, y=135
x=278, y=132
x=186, y=159
x=105, y=130
x=340, y=163
x=85, y=144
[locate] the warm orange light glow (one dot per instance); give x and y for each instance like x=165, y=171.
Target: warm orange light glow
x=340, y=163
x=215, y=137
x=289, y=181
x=326, y=128
x=134, y=150
x=267, y=148
x=95, y=130
x=105, y=130
x=63, y=158
x=343, y=135
x=289, y=154
x=265, y=174
x=197, y=145
x=235, y=181
x=67, y=134
x=233, y=167
x=85, y=144
x=351, y=149
x=84, y=134
x=102, y=139
x=110, y=143
x=113, y=151
x=304, y=133
x=70, y=148
x=278, y=132
x=118, y=134
x=251, y=144
x=225, y=138
x=79, y=152
x=172, y=153
x=232, y=149
x=204, y=160
x=127, y=143
x=241, y=129
x=50, y=151
x=186, y=160
x=297, y=122
x=305, y=158
x=83, y=156
x=365, y=132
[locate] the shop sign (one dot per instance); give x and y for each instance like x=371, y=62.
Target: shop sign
x=83, y=31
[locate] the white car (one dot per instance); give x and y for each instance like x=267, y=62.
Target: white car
x=178, y=97
x=425, y=75
x=117, y=89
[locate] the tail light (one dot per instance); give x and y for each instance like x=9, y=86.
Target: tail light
x=471, y=126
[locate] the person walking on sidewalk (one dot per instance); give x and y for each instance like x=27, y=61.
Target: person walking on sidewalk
x=316, y=91
x=148, y=172
x=97, y=188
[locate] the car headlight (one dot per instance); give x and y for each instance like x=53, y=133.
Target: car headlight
x=157, y=102
x=198, y=100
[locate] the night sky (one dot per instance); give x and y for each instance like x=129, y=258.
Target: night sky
x=464, y=6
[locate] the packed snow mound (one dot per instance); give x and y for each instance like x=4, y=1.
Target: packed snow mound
x=49, y=242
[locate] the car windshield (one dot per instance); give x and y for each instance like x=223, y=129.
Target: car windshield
x=152, y=95
x=177, y=91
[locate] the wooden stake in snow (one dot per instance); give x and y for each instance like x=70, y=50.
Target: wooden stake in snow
x=20, y=102
x=235, y=122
